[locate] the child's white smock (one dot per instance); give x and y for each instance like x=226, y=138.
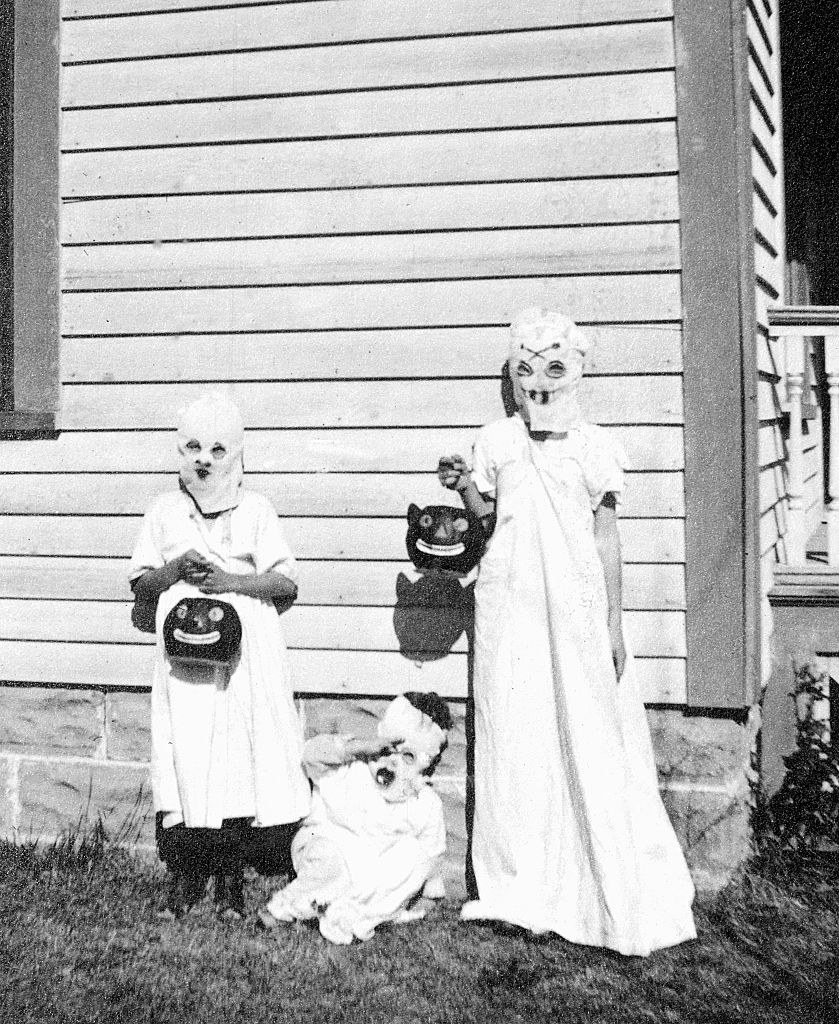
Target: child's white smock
x=359, y=858
x=224, y=745
x=570, y=834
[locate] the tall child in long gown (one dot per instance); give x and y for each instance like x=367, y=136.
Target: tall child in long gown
x=226, y=745
x=570, y=834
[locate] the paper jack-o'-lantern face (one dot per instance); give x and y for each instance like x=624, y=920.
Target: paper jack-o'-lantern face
x=201, y=630
x=398, y=772
x=443, y=539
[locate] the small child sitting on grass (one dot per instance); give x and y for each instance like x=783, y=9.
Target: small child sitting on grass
x=375, y=833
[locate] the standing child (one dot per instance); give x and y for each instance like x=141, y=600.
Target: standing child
x=226, y=743
x=570, y=834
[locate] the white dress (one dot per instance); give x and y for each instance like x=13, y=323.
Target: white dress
x=570, y=834
x=224, y=745
x=359, y=858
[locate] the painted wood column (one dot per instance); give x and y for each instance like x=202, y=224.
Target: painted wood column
x=720, y=380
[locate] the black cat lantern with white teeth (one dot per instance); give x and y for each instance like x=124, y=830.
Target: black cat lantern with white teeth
x=444, y=540
x=202, y=631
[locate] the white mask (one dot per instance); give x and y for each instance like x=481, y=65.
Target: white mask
x=210, y=442
x=546, y=357
x=417, y=741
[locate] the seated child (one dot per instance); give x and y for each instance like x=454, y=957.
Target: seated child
x=375, y=833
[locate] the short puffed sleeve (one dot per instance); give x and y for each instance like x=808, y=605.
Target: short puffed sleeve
x=272, y=553
x=484, y=463
x=604, y=462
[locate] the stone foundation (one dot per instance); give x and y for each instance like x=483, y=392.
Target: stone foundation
x=72, y=756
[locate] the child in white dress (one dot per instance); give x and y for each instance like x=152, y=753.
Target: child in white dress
x=570, y=834
x=226, y=743
x=375, y=834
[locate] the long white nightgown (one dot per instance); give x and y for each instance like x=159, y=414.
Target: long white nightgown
x=224, y=747
x=570, y=834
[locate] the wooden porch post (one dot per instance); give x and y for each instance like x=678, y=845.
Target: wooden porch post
x=715, y=189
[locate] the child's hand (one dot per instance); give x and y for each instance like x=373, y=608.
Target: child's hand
x=453, y=473
x=191, y=566
x=368, y=749
x=618, y=649
x=217, y=581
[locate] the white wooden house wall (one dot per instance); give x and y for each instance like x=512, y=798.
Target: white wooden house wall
x=329, y=210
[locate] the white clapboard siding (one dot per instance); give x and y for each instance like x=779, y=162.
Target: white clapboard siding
x=392, y=257
x=542, y=54
x=411, y=629
x=285, y=25
x=637, y=97
x=373, y=673
x=361, y=538
x=372, y=210
x=353, y=403
x=646, y=587
x=330, y=211
x=371, y=450
x=306, y=494
x=449, y=352
x=765, y=116
x=515, y=154
x=416, y=303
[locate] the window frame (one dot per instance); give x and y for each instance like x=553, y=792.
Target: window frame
x=31, y=294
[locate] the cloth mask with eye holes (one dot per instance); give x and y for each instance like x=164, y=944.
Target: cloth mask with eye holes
x=443, y=539
x=202, y=631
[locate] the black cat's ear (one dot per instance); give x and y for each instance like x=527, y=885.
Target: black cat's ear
x=413, y=512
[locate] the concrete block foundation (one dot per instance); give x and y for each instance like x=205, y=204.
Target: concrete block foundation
x=71, y=756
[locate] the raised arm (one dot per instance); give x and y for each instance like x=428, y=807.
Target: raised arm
x=454, y=475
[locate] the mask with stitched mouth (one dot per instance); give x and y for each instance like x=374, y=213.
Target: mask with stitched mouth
x=210, y=442
x=546, y=356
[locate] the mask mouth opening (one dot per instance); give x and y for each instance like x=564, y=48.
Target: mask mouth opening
x=542, y=397
x=385, y=777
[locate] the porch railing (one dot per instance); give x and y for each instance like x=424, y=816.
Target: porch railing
x=807, y=361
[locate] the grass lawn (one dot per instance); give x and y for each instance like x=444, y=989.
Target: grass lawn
x=79, y=941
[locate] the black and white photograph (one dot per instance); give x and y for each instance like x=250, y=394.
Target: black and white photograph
x=419, y=511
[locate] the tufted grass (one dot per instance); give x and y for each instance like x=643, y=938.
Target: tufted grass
x=79, y=942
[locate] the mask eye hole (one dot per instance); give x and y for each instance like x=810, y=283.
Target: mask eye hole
x=219, y=451
x=461, y=525
x=425, y=520
x=555, y=368
x=408, y=756
x=180, y=611
x=524, y=369
x=215, y=614
x=192, y=446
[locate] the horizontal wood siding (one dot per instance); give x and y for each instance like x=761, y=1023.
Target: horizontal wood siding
x=767, y=166
x=330, y=211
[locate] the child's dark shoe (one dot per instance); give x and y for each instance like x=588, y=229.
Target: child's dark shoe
x=230, y=896
x=183, y=891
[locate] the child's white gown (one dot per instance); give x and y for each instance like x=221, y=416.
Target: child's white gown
x=224, y=747
x=570, y=834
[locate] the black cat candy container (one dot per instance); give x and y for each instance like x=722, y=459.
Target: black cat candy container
x=446, y=540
